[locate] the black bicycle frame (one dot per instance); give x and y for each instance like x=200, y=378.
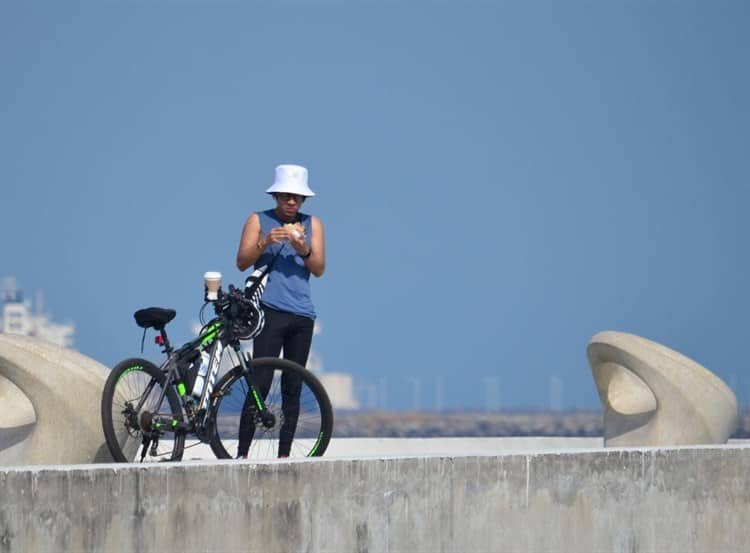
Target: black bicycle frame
x=215, y=338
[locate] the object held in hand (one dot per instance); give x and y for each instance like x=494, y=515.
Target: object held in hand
x=297, y=230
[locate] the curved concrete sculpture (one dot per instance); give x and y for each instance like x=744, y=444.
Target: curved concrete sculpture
x=50, y=402
x=654, y=396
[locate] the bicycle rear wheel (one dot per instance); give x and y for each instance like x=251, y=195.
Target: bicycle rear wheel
x=295, y=432
x=129, y=409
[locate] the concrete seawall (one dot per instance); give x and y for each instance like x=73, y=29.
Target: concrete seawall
x=631, y=500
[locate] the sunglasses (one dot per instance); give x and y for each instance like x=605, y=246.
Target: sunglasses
x=285, y=197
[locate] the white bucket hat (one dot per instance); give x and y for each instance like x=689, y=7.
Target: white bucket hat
x=291, y=179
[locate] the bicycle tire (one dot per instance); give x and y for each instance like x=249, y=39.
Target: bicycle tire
x=127, y=383
x=310, y=434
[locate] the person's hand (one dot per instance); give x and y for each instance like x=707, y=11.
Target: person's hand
x=276, y=235
x=297, y=240
x=296, y=237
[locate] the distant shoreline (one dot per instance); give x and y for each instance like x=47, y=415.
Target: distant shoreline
x=428, y=424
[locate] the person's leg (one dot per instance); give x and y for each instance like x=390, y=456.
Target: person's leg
x=267, y=344
x=296, y=348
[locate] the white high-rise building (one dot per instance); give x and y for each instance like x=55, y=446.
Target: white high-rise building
x=18, y=318
x=339, y=386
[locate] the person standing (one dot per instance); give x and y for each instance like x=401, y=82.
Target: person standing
x=293, y=244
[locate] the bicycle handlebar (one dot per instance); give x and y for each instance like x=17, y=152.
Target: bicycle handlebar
x=232, y=295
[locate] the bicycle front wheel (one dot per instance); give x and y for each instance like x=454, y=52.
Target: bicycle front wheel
x=130, y=413
x=301, y=420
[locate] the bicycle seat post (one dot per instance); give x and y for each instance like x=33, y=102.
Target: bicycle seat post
x=165, y=340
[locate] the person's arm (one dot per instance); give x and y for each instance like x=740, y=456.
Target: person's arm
x=251, y=243
x=316, y=261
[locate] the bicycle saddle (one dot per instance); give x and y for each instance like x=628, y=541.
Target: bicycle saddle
x=154, y=317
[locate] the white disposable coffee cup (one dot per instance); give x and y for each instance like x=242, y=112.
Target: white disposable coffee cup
x=212, y=279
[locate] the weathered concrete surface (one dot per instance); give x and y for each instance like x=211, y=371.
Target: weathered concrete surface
x=629, y=501
x=51, y=404
x=654, y=396
x=364, y=448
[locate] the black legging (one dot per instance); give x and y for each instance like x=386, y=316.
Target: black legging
x=294, y=334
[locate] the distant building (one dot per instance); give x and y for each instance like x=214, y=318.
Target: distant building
x=18, y=318
x=339, y=386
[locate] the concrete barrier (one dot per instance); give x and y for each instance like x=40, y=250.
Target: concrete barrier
x=692, y=499
x=367, y=448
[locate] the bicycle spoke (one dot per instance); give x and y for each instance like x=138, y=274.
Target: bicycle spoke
x=132, y=389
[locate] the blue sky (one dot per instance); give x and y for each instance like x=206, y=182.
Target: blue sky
x=498, y=180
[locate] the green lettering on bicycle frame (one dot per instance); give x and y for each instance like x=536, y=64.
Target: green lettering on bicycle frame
x=258, y=402
x=181, y=388
x=210, y=335
x=316, y=446
x=130, y=370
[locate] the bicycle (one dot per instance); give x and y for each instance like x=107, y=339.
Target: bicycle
x=255, y=396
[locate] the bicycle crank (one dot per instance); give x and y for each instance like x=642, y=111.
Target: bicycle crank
x=160, y=424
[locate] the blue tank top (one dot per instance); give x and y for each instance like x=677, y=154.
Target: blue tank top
x=288, y=286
